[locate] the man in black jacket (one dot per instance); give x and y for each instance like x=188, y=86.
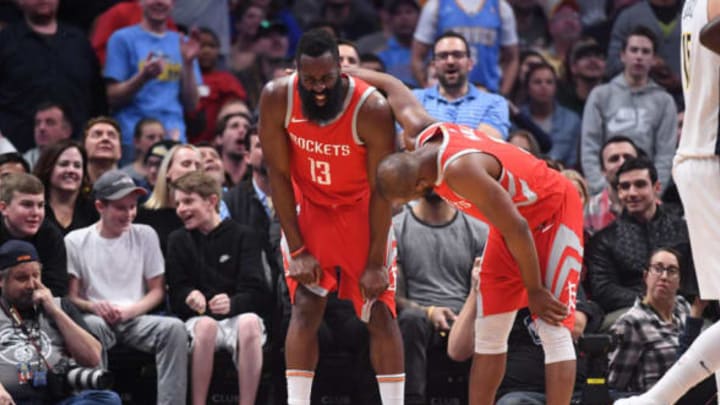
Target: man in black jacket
x=216, y=285
x=617, y=255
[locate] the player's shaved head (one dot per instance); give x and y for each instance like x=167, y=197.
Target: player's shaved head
x=398, y=175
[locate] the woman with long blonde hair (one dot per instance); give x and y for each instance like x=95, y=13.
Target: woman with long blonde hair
x=159, y=210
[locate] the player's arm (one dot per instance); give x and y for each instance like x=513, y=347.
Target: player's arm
x=710, y=33
x=473, y=177
x=405, y=106
x=376, y=129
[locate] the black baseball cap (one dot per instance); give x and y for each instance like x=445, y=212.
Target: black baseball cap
x=14, y=252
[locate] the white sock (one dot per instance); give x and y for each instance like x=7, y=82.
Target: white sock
x=700, y=361
x=299, y=384
x=392, y=388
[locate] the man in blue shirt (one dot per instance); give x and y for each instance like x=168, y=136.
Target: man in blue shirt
x=151, y=72
x=454, y=99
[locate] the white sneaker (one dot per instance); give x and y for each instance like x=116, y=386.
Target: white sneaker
x=635, y=401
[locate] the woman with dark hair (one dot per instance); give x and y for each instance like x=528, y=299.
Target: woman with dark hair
x=62, y=170
x=656, y=329
x=560, y=123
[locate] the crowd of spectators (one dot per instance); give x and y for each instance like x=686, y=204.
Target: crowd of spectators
x=164, y=94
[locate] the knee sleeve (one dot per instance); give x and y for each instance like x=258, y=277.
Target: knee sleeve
x=492, y=331
x=556, y=342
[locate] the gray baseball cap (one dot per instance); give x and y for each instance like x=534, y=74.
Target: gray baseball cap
x=114, y=185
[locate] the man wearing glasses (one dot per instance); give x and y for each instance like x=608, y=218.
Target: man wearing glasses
x=454, y=99
x=616, y=256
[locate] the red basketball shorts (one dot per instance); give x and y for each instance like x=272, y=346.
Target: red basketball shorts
x=559, y=245
x=339, y=238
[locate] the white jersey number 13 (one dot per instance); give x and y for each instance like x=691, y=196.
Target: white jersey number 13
x=320, y=172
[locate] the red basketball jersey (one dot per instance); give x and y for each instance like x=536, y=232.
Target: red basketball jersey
x=328, y=162
x=536, y=190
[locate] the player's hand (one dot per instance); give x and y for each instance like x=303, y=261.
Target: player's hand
x=196, y=301
x=442, y=318
x=373, y=282
x=543, y=304
x=219, y=304
x=305, y=269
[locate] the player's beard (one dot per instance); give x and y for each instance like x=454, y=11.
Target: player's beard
x=333, y=103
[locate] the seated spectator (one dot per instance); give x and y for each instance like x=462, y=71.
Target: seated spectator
x=250, y=203
x=45, y=59
x=116, y=270
x=542, y=107
x=455, y=99
x=159, y=210
x=565, y=28
x=218, y=87
x=654, y=329
x=40, y=334
x=121, y=15
x=525, y=140
x=586, y=66
x=616, y=257
x=632, y=105
x=490, y=31
x=529, y=57
x=212, y=165
x=219, y=299
x=349, y=55
x=532, y=24
x=431, y=287
x=147, y=132
x=52, y=124
x=102, y=144
x=372, y=62
x=661, y=18
x=271, y=51
x=12, y=162
x=22, y=204
x=580, y=184
x=604, y=207
x=152, y=72
x=62, y=169
x=153, y=160
x=231, y=106
x=231, y=135
x=247, y=26
x=395, y=52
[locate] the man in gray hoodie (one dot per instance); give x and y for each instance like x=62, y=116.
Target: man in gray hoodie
x=634, y=106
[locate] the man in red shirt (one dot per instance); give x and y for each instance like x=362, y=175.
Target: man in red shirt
x=534, y=251
x=323, y=134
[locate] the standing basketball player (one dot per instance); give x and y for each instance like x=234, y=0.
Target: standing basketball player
x=323, y=134
x=697, y=174
x=534, y=250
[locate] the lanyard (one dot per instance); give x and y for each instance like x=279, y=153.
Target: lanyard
x=14, y=315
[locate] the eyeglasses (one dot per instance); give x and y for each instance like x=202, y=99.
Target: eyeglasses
x=659, y=269
x=454, y=54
